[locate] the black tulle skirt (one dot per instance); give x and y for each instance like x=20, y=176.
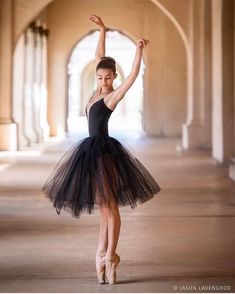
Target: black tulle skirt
x=98, y=170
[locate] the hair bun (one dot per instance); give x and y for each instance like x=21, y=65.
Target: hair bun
x=107, y=62
x=108, y=58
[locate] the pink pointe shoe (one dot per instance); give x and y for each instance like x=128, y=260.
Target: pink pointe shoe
x=100, y=268
x=111, y=263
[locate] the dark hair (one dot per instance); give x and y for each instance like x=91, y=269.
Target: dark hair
x=107, y=62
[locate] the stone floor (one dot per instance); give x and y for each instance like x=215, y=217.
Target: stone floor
x=180, y=241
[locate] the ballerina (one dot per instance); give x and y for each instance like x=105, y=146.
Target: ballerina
x=99, y=170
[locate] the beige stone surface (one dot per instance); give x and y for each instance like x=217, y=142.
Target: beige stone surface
x=26, y=11
x=165, y=103
x=183, y=237
x=189, y=76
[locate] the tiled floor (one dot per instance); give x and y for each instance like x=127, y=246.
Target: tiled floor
x=181, y=240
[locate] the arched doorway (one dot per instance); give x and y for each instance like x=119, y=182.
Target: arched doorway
x=82, y=83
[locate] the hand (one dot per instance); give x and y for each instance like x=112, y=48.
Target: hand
x=96, y=20
x=142, y=43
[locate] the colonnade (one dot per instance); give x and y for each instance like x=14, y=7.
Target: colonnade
x=30, y=85
x=27, y=104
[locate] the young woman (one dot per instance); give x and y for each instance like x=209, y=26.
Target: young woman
x=99, y=170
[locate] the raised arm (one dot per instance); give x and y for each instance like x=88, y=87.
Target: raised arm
x=100, y=49
x=120, y=91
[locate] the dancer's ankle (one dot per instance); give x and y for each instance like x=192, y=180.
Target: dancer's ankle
x=110, y=255
x=100, y=253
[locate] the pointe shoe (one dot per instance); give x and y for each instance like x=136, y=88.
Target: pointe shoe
x=100, y=268
x=111, y=263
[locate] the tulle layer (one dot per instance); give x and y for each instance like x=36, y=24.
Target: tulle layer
x=98, y=170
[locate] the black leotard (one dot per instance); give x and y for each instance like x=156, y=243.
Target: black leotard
x=97, y=170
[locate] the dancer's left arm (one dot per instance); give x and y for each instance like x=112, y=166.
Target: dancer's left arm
x=121, y=90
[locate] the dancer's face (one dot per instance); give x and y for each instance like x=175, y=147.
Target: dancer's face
x=105, y=77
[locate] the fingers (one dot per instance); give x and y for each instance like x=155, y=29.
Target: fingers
x=95, y=18
x=142, y=42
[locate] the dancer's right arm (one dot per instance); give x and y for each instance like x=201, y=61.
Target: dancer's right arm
x=100, y=49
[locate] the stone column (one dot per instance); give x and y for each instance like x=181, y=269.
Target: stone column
x=194, y=130
x=43, y=85
x=28, y=115
x=37, y=68
x=18, y=89
x=223, y=80
x=228, y=78
x=232, y=161
x=232, y=80
x=8, y=128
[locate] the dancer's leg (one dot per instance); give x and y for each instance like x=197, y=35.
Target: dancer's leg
x=112, y=258
x=108, y=206
x=110, y=223
x=114, y=224
x=103, y=234
x=102, y=248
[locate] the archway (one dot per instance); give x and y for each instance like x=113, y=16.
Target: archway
x=82, y=82
x=58, y=121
